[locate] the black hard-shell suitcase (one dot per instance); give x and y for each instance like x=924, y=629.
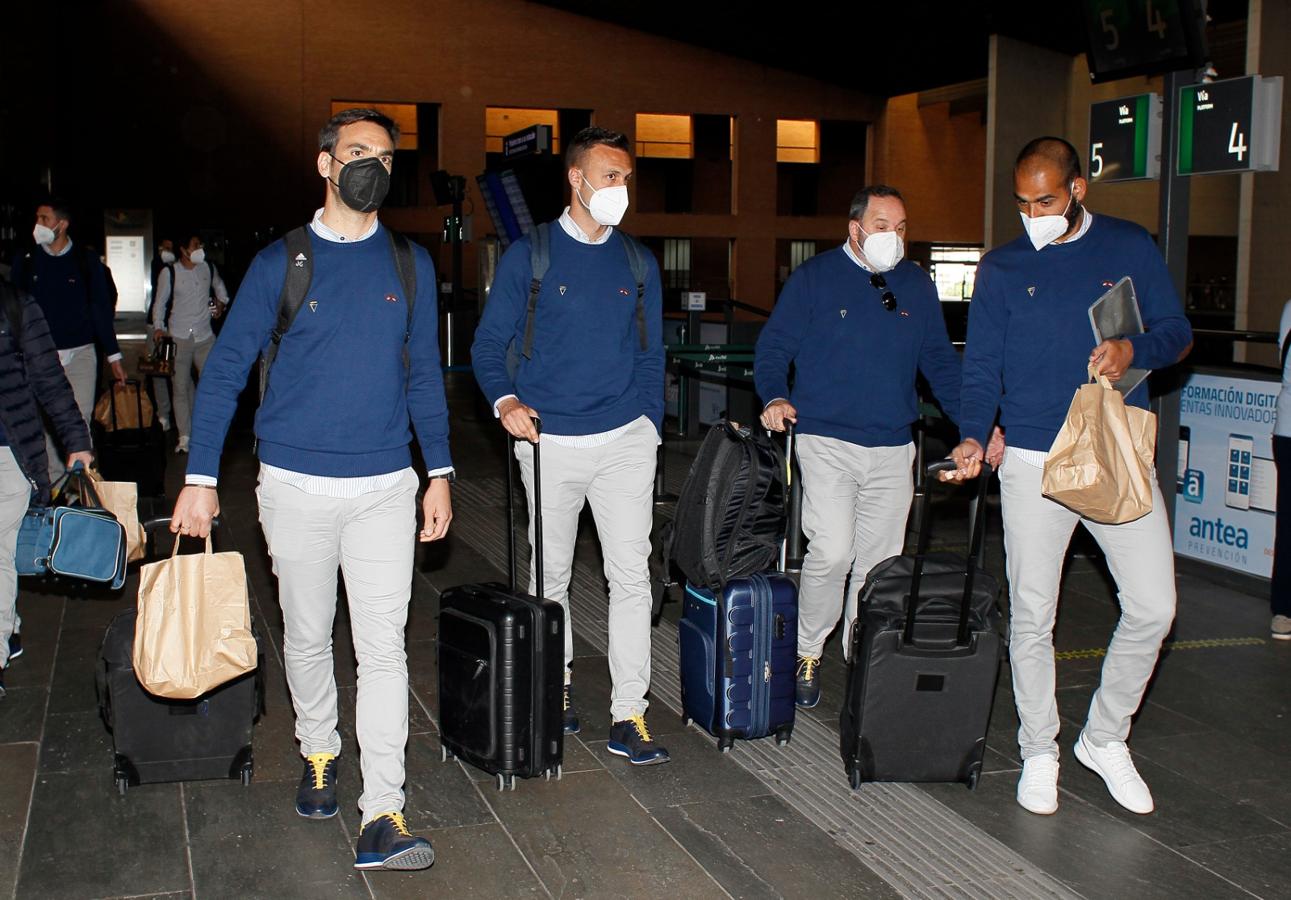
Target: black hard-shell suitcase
x=501, y=667
x=924, y=660
x=155, y=739
x=132, y=454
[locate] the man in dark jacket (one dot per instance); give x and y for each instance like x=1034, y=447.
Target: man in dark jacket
x=30, y=374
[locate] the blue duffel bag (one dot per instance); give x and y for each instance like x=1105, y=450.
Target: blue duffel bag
x=83, y=541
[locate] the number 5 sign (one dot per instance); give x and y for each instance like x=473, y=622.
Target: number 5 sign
x=1234, y=125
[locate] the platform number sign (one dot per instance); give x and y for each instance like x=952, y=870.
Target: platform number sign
x=1125, y=138
x=1129, y=37
x=1232, y=125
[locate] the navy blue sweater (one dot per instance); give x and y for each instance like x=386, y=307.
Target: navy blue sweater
x=336, y=403
x=75, y=317
x=588, y=373
x=1029, y=336
x=856, y=361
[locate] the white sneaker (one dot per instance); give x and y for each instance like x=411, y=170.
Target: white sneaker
x=181, y=445
x=165, y=422
x=1123, y=782
x=1038, y=786
x=1281, y=628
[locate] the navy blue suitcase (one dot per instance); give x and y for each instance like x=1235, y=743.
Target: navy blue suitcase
x=739, y=650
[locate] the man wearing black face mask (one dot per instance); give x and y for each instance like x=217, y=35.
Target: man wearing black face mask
x=336, y=482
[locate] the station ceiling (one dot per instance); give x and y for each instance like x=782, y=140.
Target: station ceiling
x=885, y=48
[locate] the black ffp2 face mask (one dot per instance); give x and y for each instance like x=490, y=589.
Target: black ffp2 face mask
x=363, y=184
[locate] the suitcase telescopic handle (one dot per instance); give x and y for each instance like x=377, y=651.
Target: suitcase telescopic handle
x=976, y=528
x=536, y=549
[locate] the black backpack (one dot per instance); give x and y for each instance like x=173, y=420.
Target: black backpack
x=731, y=512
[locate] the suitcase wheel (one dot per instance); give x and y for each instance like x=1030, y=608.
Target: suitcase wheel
x=725, y=744
x=685, y=721
x=854, y=777
x=122, y=784
x=782, y=736
x=246, y=774
x=506, y=782
x=445, y=754
x=559, y=771
x=973, y=776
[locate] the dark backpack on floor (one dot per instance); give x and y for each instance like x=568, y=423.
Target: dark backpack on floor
x=731, y=512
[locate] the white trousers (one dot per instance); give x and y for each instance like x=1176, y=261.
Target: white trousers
x=15, y=494
x=189, y=354
x=617, y=479
x=855, y=503
x=82, y=370
x=371, y=538
x=1141, y=558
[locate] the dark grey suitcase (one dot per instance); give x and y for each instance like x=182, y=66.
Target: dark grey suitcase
x=924, y=658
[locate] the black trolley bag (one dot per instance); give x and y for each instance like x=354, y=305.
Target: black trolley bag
x=132, y=454
x=155, y=739
x=925, y=656
x=501, y=666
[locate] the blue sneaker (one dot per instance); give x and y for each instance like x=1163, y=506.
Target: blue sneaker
x=572, y=725
x=630, y=738
x=384, y=843
x=807, y=688
x=316, y=796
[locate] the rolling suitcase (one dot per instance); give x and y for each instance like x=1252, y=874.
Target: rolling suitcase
x=502, y=667
x=155, y=739
x=925, y=656
x=738, y=648
x=136, y=453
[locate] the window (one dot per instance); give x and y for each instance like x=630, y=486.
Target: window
x=404, y=115
x=499, y=121
x=676, y=263
x=800, y=252
x=797, y=141
x=954, y=271
x=669, y=137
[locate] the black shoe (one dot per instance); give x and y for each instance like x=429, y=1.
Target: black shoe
x=15, y=646
x=316, y=796
x=1, y=682
x=384, y=843
x=572, y=725
x=808, y=682
x=631, y=738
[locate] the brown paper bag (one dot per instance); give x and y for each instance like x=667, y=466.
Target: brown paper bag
x=131, y=402
x=193, y=632
x=121, y=498
x=1100, y=465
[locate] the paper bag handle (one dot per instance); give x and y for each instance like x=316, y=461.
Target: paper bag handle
x=175, y=550
x=1095, y=375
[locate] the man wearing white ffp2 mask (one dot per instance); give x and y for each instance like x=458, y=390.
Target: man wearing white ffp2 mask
x=580, y=303
x=858, y=323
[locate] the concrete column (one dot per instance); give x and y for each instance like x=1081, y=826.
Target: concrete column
x=1026, y=98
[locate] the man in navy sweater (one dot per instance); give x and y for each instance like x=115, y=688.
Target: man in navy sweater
x=594, y=376
x=858, y=323
x=71, y=285
x=336, y=482
x=1029, y=346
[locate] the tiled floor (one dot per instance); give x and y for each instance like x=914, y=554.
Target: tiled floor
x=1212, y=741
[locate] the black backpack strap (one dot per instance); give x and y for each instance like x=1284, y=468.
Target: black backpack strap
x=170, y=300
x=637, y=260
x=210, y=289
x=28, y=273
x=1286, y=345
x=295, y=285
x=406, y=266
x=539, y=261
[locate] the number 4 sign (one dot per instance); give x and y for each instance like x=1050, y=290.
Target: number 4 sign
x=1233, y=125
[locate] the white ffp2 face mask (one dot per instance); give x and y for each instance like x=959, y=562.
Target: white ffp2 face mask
x=607, y=205
x=882, y=249
x=1044, y=230
x=44, y=235
x=198, y=256
x=167, y=257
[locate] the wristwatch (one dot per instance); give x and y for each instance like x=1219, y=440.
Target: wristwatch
x=450, y=476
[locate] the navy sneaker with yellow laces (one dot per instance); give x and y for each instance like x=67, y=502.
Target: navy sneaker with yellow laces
x=316, y=796
x=572, y=725
x=631, y=738
x=807, y=687
x=385, y=843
